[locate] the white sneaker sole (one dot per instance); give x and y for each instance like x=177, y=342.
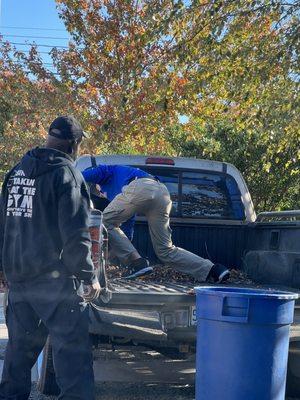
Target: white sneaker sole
x=141, y=272
x=223, y=275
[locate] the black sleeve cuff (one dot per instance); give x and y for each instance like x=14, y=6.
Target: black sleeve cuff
x=93, y=279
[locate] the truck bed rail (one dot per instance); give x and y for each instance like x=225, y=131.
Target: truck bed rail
x=279, y=216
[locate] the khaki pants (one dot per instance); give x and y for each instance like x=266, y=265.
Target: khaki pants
x=152, y=199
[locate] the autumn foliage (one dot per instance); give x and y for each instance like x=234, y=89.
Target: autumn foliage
x=135, y=69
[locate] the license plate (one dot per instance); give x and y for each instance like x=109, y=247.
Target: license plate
x=193, y=316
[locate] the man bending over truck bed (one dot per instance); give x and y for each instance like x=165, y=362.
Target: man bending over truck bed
x=132, y=191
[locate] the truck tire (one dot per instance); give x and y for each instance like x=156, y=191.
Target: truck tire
x=47, y=382
x=5, y=302
x=293, y=372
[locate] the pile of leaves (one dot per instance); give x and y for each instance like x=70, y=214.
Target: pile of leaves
x=163, y=274
x=238, y=277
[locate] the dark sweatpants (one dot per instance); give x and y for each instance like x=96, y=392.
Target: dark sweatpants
x=36, y=309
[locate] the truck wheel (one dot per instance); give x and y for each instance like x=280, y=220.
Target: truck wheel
x=47, y=382
x=5, y=301
x=293, y=372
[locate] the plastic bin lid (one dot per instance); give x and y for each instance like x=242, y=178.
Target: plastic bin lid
x=247, y=292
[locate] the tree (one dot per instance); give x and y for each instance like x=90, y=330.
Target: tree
x=243, y=97
x=27, y=107
x=120, y=64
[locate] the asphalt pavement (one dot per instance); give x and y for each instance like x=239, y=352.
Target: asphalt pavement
x=133, y=391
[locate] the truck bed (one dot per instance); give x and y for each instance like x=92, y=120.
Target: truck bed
x=156, y=311
x=148, y=294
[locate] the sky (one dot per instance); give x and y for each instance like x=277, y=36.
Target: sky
x=35, y=18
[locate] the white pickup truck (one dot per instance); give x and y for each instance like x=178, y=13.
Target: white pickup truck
x=213, y=216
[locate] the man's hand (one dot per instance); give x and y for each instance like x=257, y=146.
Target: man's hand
x=91, y=292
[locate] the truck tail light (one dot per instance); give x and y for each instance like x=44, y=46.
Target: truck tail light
x=160, y=161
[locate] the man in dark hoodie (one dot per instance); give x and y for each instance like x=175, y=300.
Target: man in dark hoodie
x=44, y=244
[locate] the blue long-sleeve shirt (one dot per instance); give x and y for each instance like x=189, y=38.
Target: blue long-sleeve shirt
x=112, y=178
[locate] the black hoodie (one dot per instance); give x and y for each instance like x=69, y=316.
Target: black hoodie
x=44, y=219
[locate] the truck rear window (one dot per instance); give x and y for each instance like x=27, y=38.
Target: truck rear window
x=206, y=195
x=201, y=194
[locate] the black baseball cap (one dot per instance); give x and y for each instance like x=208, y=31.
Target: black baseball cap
x=66, y=127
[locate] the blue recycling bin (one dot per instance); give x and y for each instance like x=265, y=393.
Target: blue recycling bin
x=242, y=343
